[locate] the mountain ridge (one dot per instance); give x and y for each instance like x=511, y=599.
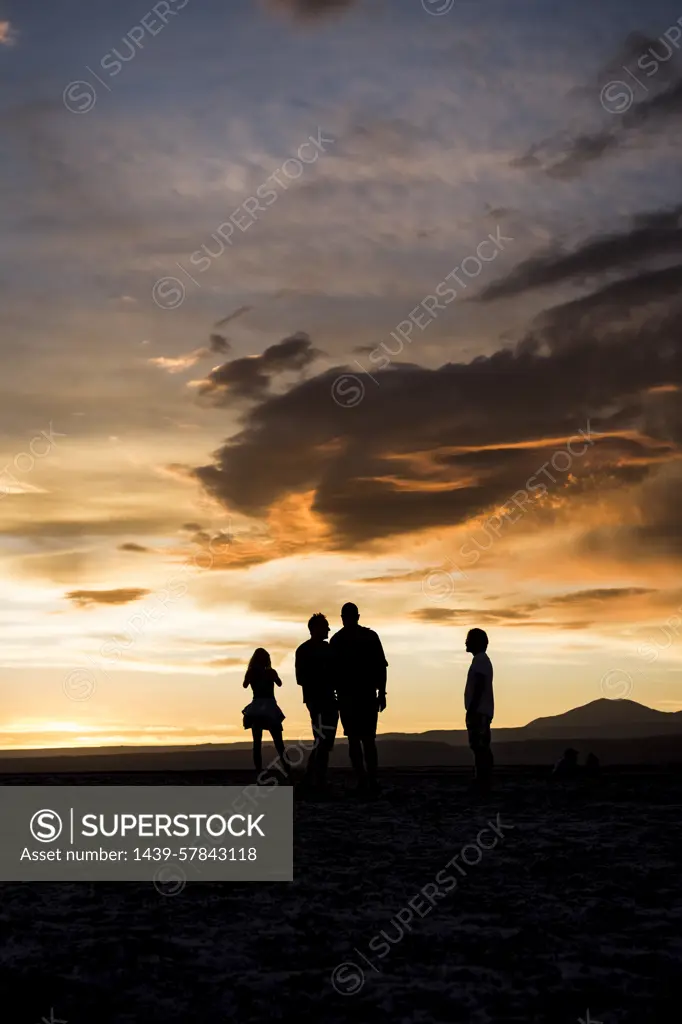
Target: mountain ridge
x=601, y=719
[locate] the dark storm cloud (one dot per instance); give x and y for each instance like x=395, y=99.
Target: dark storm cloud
x=251, y=376
x=415, y=452
x=218, y=343
x=653, y=234
x=88, y=598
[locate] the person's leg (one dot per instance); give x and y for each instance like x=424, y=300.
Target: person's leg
x=328, y=721
x=478, y=728
x=371, y=758
x=473, y=733
x=356, y=759
x=369, y=732
x=311, y=764
x=349, y=721
x=486, y=755
x=257, y=748
x=278, y=740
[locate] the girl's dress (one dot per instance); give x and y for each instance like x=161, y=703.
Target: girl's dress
x=263, y=712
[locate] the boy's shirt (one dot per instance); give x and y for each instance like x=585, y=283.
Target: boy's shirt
x=315, y=673
x=480, y=665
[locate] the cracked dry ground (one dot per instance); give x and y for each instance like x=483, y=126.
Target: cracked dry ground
x=576, y=908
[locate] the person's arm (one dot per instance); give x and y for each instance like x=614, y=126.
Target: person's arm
x=300, y=668
x=276, y=679
x=245, y=683
x=334, y=670
x=382, y=664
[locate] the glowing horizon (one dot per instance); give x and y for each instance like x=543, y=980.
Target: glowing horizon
x=369, y=330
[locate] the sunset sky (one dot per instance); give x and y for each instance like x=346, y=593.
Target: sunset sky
x=177, y=491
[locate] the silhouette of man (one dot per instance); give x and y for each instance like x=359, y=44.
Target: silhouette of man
x=315, y=674
x=360, y=668
x=479, y=706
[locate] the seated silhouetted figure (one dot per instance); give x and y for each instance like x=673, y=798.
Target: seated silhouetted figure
x=566, y=768
x=592, y=767
x=360, y=672
x=315, y=675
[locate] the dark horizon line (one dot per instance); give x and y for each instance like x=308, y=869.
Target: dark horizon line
x=394, y=736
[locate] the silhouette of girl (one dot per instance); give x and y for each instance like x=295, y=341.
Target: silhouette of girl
x=263, y=712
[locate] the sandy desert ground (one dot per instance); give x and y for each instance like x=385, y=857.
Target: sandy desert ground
x=575, y=908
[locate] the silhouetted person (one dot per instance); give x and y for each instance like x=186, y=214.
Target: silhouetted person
x=480, y=707
x=566, y=768
x=315, y=674
x=592, y=768
x=360, y=673
x=263, y=712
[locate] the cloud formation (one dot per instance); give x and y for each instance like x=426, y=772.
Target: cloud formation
x=240, y=311
x=176, y=364
x=90, y=598
x=630, y=109
x=251, y=377
x=436, y=447
x=554, y=612
x=651, y=235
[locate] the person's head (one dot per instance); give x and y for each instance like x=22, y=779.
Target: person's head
x=570, y=755
x=318, y=626
x=350, y=614
x=477, y=641
x=260, y=660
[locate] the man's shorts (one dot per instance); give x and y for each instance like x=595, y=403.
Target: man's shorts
x=360, y=717
x=478, y=729
x=324, y=720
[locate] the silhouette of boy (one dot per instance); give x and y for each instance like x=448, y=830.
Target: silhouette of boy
x=360, y=672
x=315, y=674
x=479, y=707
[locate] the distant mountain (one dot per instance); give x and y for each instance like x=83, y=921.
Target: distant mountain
x=607, y=718
x=621, y=729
